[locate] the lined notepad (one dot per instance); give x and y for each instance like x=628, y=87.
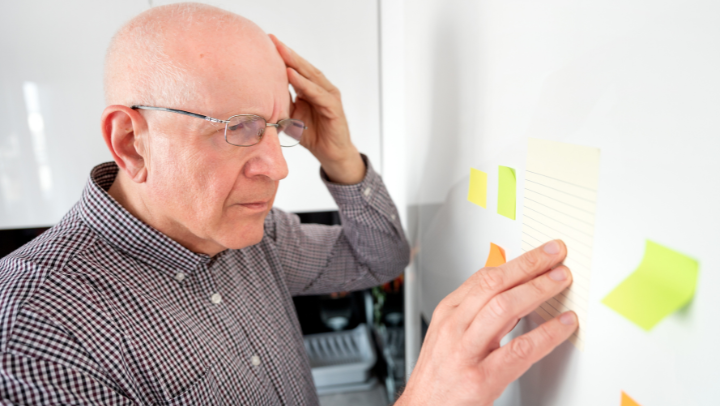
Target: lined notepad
x=560, y=193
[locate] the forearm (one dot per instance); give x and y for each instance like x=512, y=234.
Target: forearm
x=369, y=248
x=371, y=226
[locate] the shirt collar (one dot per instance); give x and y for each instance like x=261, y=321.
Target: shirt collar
x=106, y=217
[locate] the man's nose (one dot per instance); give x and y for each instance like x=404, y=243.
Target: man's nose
x=268, y=160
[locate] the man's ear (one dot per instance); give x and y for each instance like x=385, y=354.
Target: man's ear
x=120, y=128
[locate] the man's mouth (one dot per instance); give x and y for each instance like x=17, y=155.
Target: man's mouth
x=255, y=206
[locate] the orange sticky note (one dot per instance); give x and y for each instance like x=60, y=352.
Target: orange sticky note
x=496, y=256
x=626, y=400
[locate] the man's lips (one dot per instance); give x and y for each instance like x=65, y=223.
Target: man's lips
x=255, y=206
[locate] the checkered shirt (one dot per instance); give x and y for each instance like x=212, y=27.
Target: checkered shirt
x=103, y=309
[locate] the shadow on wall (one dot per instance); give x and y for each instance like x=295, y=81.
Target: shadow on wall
x=538, y=387
x=452, y=114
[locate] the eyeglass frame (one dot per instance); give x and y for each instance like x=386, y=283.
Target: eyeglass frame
x=226, y=122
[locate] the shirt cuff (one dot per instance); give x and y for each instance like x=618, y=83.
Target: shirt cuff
x=364, y=192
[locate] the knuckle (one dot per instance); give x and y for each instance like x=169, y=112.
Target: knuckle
x=440, y=310
x=498, y=306
x=446, y=305
x=521, y=348
x=316, y=72
x=474, y=379
x=491, y=280
x=547, y=334
x=537, y=288
x=530, y=260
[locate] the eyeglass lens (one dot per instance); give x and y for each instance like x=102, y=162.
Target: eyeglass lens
x=247, y=130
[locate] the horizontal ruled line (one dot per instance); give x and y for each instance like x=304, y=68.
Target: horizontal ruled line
x=551, y=238
x=563, y=181
x=592, y=213
x=558, y=221
x=563, y=233
x=556, y=210
x=559, y=191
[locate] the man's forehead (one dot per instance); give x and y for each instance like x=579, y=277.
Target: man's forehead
x=239, y=72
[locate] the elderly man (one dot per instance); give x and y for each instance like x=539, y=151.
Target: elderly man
x=170, y=281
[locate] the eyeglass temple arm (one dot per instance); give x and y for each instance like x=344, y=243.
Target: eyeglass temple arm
x=277, y=125
x=187, y=113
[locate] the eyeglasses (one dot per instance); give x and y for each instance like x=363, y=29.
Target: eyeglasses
x=246, y=130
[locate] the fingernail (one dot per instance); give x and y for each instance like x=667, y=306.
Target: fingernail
x=552, y=247
x=558, y=274
x=568, y=318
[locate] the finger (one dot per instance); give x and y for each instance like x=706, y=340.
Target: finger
x=512, y=360
x=516, y=271
x=305, y=68
x=488, y=282
x=494, y=344
x=316, y=95
x=512, y=305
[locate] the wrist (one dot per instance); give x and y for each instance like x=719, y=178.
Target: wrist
x=349, y=170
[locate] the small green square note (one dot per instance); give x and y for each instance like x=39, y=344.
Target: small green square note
x=663, y=283
x=506, y=192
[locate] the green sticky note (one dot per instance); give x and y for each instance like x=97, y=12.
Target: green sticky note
x=506, y=192
x=477, y=190
x=663, y=283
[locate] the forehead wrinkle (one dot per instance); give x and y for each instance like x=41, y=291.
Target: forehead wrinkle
x=248, y=85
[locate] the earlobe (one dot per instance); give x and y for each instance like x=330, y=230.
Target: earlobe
x=120, y=127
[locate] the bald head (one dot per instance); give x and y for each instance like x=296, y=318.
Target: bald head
x=174, y=55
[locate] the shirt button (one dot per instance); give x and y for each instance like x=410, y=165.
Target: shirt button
x=179, y=276
x=392, y=217
x=367, y=192
x=216, y=298
x=255, y=360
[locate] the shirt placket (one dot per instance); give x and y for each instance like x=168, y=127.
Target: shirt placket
x=233, y=333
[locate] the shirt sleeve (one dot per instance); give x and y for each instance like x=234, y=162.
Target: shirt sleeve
x=369, y=248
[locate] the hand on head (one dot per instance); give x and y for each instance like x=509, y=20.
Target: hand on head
x=318, y=104
x=461, y=361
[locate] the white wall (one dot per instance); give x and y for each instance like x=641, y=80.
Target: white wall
x=57, y=48
x=637, y=79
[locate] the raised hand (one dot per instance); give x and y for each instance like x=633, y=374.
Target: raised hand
x=461, y=361
x=318, y=104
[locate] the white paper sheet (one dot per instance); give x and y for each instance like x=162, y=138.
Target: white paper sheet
x=560, y=197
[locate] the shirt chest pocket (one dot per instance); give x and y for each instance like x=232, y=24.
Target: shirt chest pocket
x=204, y=391
x=229, y=383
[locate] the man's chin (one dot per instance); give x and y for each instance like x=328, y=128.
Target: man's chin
x=242, y=237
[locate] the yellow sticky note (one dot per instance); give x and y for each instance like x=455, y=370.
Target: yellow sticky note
x=506, y=192
x=663, y=283
x=496, y=256
x=477, y=191
x=626, y=400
